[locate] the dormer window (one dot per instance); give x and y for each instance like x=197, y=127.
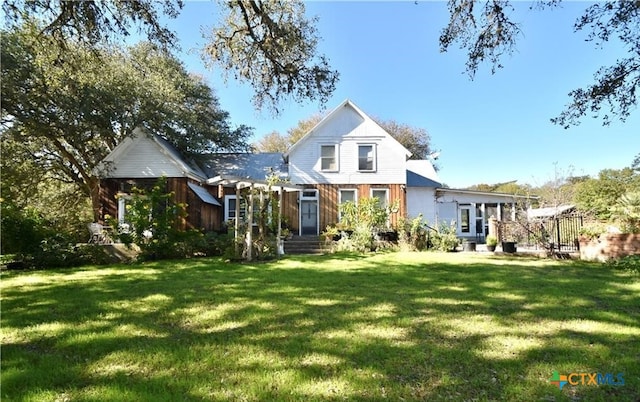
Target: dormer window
x=366, y=158
x=329, y=158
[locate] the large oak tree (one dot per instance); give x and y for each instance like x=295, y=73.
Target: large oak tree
x=68, y=113
x=270, y=44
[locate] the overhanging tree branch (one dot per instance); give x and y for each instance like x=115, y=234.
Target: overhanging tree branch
x=272, y=46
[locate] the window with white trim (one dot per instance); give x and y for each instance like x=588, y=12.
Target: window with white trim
x=329, y=158
x=230, y=207
x=465, y=218
x=366, y=158
x=382, y=194
x=347, y=195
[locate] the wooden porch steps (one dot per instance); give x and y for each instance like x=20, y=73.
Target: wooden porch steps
x=303, y=245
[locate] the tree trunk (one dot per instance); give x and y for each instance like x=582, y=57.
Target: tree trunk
x=94, y=192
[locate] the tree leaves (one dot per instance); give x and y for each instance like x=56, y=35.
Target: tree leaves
x=78, y=107
x=615, y=86
x=95, y=22
x=272, y=45
x=276, y=142
x=417, y=140
x=487, y=34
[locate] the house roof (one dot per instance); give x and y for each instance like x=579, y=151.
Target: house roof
x=256, y=167
x=173, y=152
x=421, y=173
x=549, y=212
x=247, y=165
x=330, y=116
x=465, y=191
x=123, y=150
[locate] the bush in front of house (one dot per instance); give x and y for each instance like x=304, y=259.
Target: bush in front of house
x=445, y=238
x=59, y=252
x=217, y=244
x=154, y=219
x=412, y=234
x=358, y=226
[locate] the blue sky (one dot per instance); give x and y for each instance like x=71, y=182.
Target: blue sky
x=493, y=129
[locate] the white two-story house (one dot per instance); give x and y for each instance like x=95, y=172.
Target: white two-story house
x=345, y=157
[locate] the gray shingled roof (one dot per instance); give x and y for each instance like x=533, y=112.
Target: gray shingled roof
x=254, y=166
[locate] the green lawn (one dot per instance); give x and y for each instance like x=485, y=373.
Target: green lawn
x=414, y=326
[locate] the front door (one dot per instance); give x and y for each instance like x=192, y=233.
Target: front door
x=309, y=217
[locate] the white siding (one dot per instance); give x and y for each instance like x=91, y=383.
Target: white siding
x=448, y=206
x=143, y=158
x=348, y=129
x=422, y=200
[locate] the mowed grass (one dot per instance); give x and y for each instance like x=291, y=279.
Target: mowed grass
x=406, y=326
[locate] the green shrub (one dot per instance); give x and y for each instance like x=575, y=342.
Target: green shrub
x=358, y=225
x=332, y=233
x=345, y=244
x=59, y=252
x=91, y=254
x=217, y=244
x=627, y=212
x=629, y=263
x=23, y=230
x=445, y=238
x=491, y=241
x=412, y=234
x=180, y=244
x=154, y=220
x=362, y=238
x=593, y=230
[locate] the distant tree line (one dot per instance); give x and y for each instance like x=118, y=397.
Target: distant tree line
x=596, y=197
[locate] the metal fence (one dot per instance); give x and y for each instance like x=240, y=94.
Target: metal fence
x=555, y=234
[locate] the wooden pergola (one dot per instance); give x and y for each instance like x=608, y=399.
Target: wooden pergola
x=262, y=185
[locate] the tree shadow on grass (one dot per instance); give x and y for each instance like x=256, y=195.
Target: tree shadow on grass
x=321, y=328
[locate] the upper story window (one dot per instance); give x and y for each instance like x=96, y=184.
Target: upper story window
x=366, y=158
x=329, y=158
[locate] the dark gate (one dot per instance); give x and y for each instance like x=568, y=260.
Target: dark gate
x=554, y=234
x=563, y=232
